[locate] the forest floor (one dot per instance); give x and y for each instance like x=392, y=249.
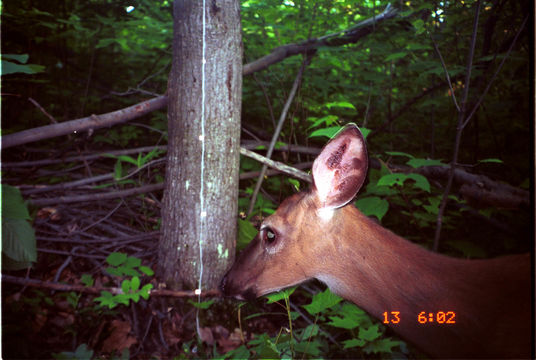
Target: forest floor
x=54, y=308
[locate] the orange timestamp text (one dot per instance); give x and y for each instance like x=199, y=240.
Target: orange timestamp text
x=424, y=317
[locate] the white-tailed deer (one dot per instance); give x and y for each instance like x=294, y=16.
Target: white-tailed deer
x=447, y=307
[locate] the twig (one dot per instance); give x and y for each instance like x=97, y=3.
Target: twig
x=84, y=124
x=97, y=289
x=447, y=76
x=459, y=129
x=98, y=196
x=477, y=105
x=82, y=157
x=52, y=119
x=282, y=118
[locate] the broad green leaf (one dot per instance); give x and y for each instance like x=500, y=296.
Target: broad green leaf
x=392, y=179
x=125, y=286
x=18, y=244
x=114, y=271
x=420, y=182
x=343, y=104
x=398, y=153
x=246, y=233
x=491, y=160
x=415, y=163
x=327, y=120
x=328, y=132
x=83, y=352
x=13, y=205
x=146, y=270
x=381, y=346
x=365, y=132
x=354, y=343
x=128, y=271
x=116, y=258
x=349, y=316
x=312, y=348
x=272, y=298
x=145, y=291
x=132, y=262
x=135, y=283
x=373, y=206
x=9, y=67
x=22, y=58
x=310, y=331
x=371, y=333
x=321, y=301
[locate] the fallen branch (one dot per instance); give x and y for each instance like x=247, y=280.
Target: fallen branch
x=98, y=196
x=97, y=289
x=88, y=123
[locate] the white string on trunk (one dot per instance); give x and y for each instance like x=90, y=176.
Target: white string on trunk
x=203, y=213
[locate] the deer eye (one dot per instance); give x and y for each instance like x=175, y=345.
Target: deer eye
x=268, y=235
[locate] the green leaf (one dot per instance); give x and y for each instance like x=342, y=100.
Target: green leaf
x=116, y=258
x=9, y=67
x=202, y=305
x=272, y=298
x=322, y=301
x=22, y=58
x=398, y=179
x=396, y=56
x=246, y=233
x=328, y=132
x=18, y=244
x=125, y=286
x=491, y=160
x=349, y=316
x=371, y=333
x=353, y=343
x=327, y=120
x=13, y=205
x=312, y=348
x=118, y=170
x=145, y=291
x=373, y=206
x=415, y=163
x=398, y=153
x=135, y=283
x=87, y=280
x=146, y=270
x=420, y=182
x=382, y=346
x=132, y=262
x=392, y=179
x=83, y=352
x=114, y=271
x=294, y=183
x=310, y=331
x=128, y=271
x=343, y=104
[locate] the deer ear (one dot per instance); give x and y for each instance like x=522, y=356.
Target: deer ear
x=341, y=168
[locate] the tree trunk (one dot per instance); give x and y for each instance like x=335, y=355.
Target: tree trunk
x=201, y=191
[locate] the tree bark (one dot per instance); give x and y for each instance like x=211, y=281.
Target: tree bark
x=201, y=190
